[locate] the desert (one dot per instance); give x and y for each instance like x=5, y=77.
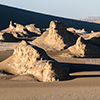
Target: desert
x=48, y=59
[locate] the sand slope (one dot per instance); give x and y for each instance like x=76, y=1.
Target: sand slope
x=77, y=89
x=41, y=20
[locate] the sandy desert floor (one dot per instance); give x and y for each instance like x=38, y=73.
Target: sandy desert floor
x=77, y=89
x=84, y=83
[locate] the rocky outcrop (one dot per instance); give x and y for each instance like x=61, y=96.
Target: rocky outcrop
x=19, y=27
x=7, y=37
x=76, y=30
x=32, y=28
x=94, y=38
x=16, y=31
x=56, y=38
x=29, y=59
x=83, y=48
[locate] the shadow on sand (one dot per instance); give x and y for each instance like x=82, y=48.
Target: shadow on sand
x=81, y=68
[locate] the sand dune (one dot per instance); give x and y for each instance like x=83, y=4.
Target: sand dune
x=78, y=89
x=41, y=20
x=5, y=54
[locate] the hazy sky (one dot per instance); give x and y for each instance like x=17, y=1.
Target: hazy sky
x=65, y=8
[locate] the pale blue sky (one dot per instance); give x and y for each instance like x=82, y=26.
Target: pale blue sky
x=65, y=8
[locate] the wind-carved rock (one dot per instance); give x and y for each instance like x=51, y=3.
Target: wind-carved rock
x=32, y=28
x=16, y=31
x=77, y=31
x=84, y=48
x=19, y=27
x=56, y=38
x=94, y=38
x=28, y=59
x=7, y=37
x=11, y=27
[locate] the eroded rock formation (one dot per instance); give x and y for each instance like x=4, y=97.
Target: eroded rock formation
x=7, y=37
x=18, y=30
x=84, y=48
x=28, y=59
x=32, y=28
x=76, y=30
x=94, y=38
x=56, y=38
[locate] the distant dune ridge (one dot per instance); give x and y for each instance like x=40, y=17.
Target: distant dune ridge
x=24, y=17
x=92, y=19
x=56, y=38
x=28, y=59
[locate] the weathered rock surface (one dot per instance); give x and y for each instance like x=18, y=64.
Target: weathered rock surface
x=94, y=38
x=19, y=27
x=16, y=31
x=32, y=28
x=76, y=30
x=28, y=59
x=56, y=38
x=7, y=37
x=83, y=48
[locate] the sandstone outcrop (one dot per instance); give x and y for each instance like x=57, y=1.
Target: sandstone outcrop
x=7, y=37
x=19, y=27
x=16, y=31
x=32, y=28
x=56, y=38
x=29, y=59
x=76, y=30
x=84, y=48
x=94, y=38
